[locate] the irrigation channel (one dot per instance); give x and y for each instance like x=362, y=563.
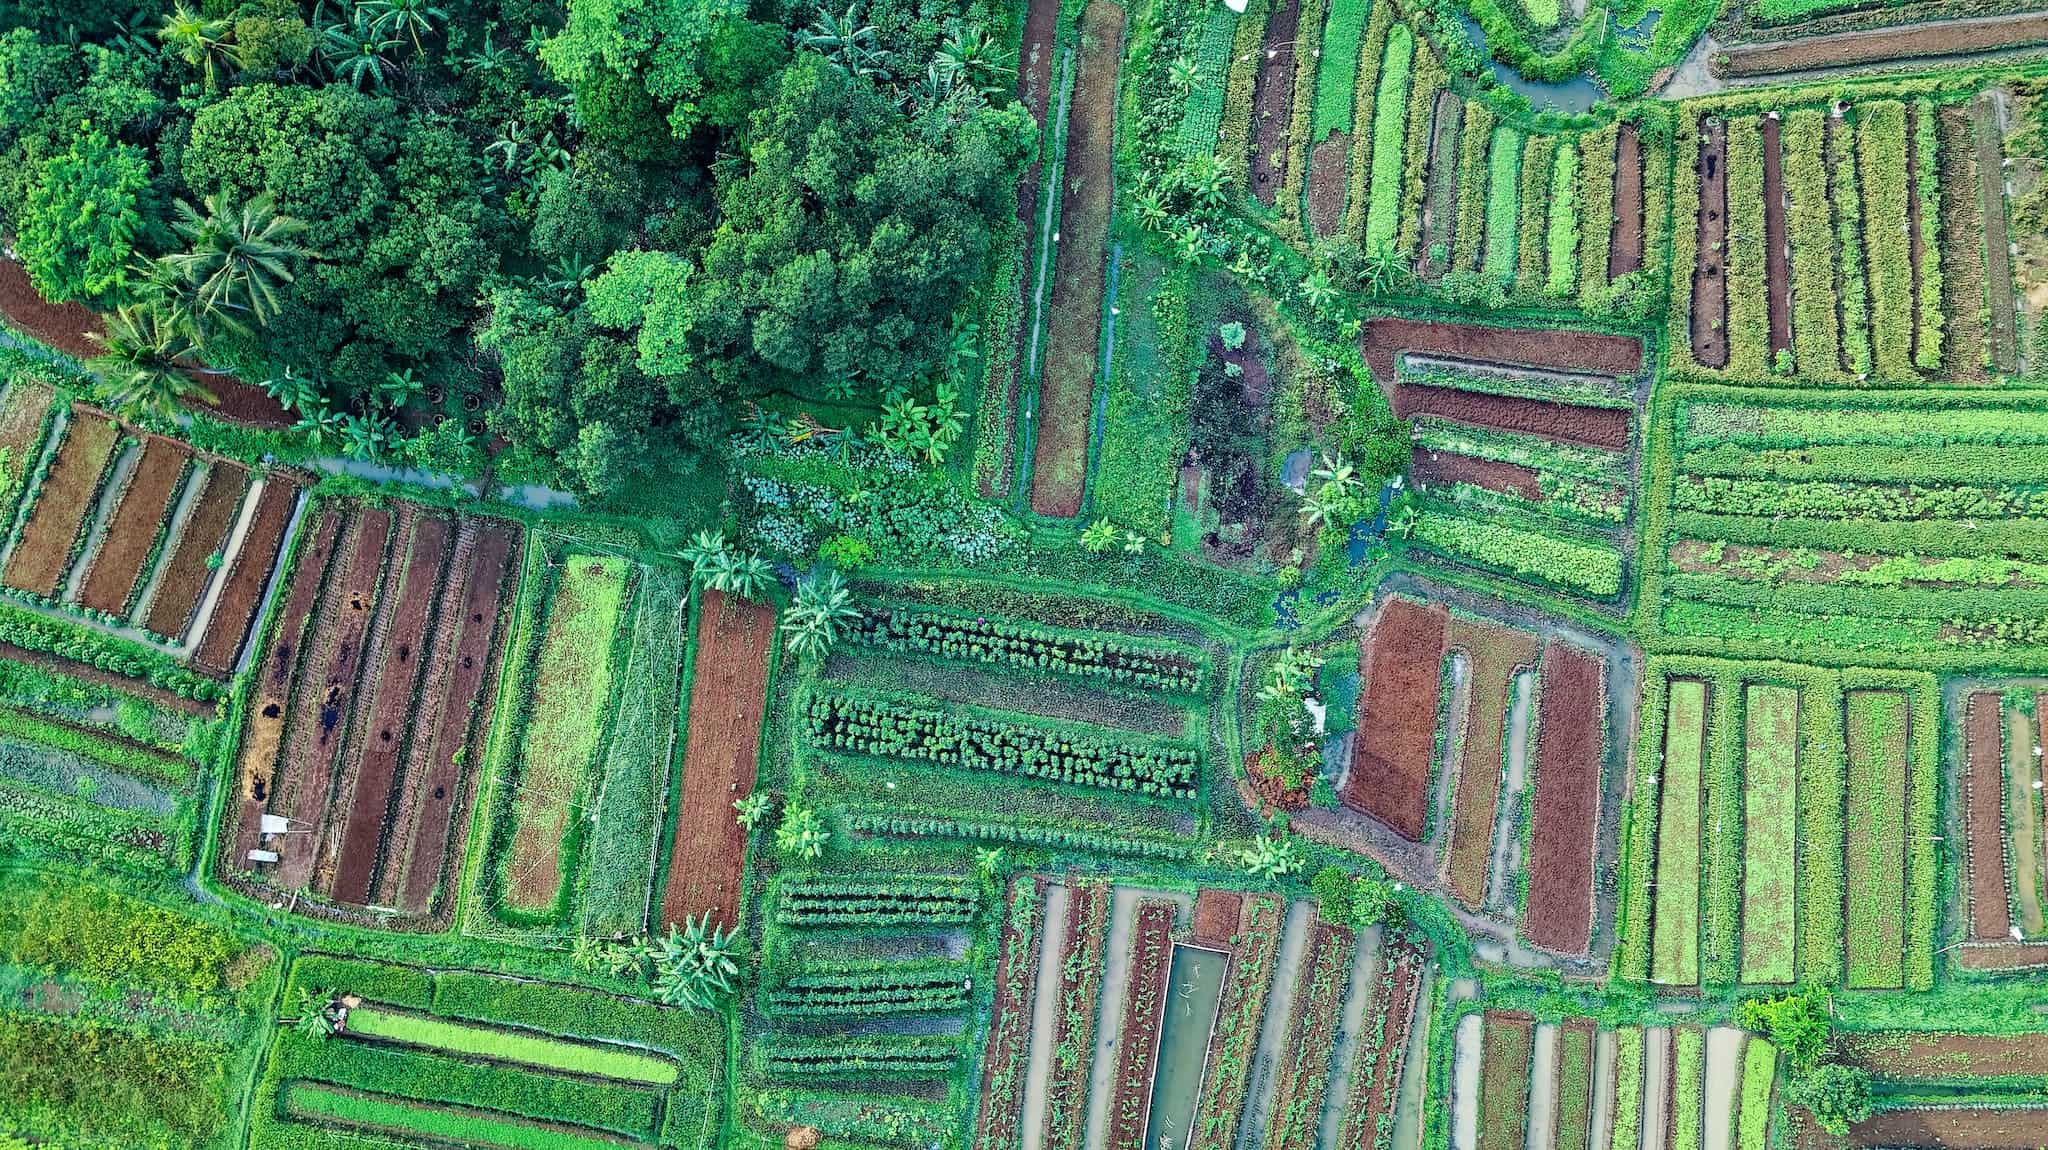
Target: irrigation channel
x=1194, y=991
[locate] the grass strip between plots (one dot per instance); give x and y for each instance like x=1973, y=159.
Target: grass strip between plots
x=489, y=1042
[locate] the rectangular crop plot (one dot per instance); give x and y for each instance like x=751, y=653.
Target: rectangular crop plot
x=43, y=553
x=1876, y=862
x=510, y=1046
x=1984, y=791
x=1504, y=1081
x=1770, y=833
x=2023, y=817
x=1676, y=957
x=203, y=535
x=247, y=574
x=130, y=540
x=568, y=701
x=1571, y=743
x=1402, y=665
x=1495, y=655
x=461, y=1127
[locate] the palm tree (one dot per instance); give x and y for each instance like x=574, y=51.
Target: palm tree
x=313, y=1012
x=802, y=834
x=140, y=372
x=238, y=257
x=1182, y=74
x=198, y=40
x=318, y=424
x=1385, y=270
x=846, y=42
x=399, y=388
x=822, y=609
x=359, y=51
x=1270, y=858
x=412, y=17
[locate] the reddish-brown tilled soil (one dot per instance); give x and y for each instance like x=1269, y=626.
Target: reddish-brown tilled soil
x=1009, y=1028
x=1393, y=1000
x=1402, y=665
x=727, y=697
x=117, y=567
x=1965, y=352
x=1943, y=38
x=1566, y=813
x=1444, y=469
x=1967, y=1128
x=263, y=729
x=455, y=709
x=1137, y=1046
x=1625, y=241
x=1386, y=339
x=1216, y=914
x=1066, y=389
x=203, y=534
x=2003, y=957
x=1273, y=102
x=1989, y=140
x=1494, y=654
x=1899, y=1054
x=317, y=720
x=1984, y=814
x=1327, y=177
x=1709, y=334
x=68, y=327
x=1777, y=253
x=43, y=553
x=1606, y=427
x=242, y=595
x=391, y=712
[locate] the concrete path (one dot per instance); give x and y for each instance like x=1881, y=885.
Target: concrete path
x=1365, y=971
x=1725, y=1046
x=1045, y=1009
x=1294, y=934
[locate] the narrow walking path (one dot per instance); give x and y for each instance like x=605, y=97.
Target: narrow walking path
x=1273, y=1028
x=1408, y=1108
x=1725, y=1046
x=1116, y=982
x=1045, y=1015
x=1465, y=1083
x=1543, y=1087
x=1603, y=1091
x=1656, y=1087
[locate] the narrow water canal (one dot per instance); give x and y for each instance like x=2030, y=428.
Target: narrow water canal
x=1193, y=990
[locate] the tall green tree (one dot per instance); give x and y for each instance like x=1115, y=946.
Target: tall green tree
x=682, y=64
x=141, y=372
x=236, y=257
x=77, y=228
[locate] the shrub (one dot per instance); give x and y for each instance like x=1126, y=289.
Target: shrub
x=114, y=940
x=1112, y=659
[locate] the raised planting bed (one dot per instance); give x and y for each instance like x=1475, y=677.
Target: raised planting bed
x=1879, y=45
x=1984, y=818
x=1387, y=338
x=1962, y=1127
x=316, y=721
x=1254, y=948
x=1604, y=427
x=1216, y=918
x=1964, y=306
x=1006, y=1061
x=248, y=575
x=1073, y=1034
x=1137, y=1044
x=620, y=1063
x=1988, y=140
x=1494, y=656
x=1625, y=241
x=1777, y=264
x=1096, y=656
x=1510, y=1044
x=1066, y=390
x=735, y=639
x=824, y=901
x=117, y=568
x=394, y=689
x=1770, y=833
x=1875, y=923
x=1881, y=173
x=1440, y=187
x=62, y=503
x=1572, y=1121
x=1304, y=1070
x=1566, y=811
x=2023, y=818
x=388, y=1115
x=1273, y=102
x=1901, y=1055
x=869, y=988
x=1816, y=319
x=1708, y=335
x=565, y=708
x=1376, y=1068
x=1675, y=955
x=1430, y=469
x=1401, y=664
x=197, y=550
x=455, y=703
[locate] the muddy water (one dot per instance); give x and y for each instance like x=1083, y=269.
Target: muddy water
x=1045, y=1015
x=1543, y=1087
x=1465, y=1084
x=1273, y=1027
x=1507, y=840
x=1656, y=1087
x=1443, y=801
x=1364, y=972
x=1407, y=1133
x=1603, y=1091
x=1194, y=991
x=1724, y=1082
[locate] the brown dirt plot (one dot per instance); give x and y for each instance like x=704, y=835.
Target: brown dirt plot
x=1911, y=41
x=117, y=567
x=1777, y=253
x=1572, y=721
x=1402, y=665
x=1273, y=104
x=1442, y=469
x=1709, y=334
x=1495, y=655
x=205, y=531
x=240, y=597
x=43, y=553
x=1625, y=242
x=1388, y=337
x=1984, y=811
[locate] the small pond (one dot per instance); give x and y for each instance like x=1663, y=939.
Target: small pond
x=1194, y=988
x=1578, y=94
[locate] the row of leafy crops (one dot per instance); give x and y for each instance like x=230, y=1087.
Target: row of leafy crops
x=907, y=727
x=825, y=900
x=844, y=1056
x=861, y=987
x=1095, y=656
x=1578, y=566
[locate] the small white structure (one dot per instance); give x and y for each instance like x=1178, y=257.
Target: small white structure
x=262, y=856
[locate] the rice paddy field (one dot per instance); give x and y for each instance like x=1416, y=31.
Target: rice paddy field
x=1471, y=576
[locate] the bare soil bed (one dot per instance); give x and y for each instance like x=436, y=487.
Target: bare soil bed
x=1984, y=807
x=117, y=567
x=392, y=710
x=1990, y=151
x=1962, y=267
x=1877, y=45
x=1273, y=103
x=1899, y=1054
x=68, y=327
x=1387, y=338
x=1245, y=987
x=1605, y=427
x=187, y=572
x=1971, y=1127
x=240, y=597
x=1625, y=242
x=43, y=553
x=1495, y=655
x=1442, y=469
x=1777, y=255
x=1402, y=665
x=1573, y=710
x=454, y=711
x=1709, y=333
x=1327, y=181
x=727, y=697
x=1066, y=390
x=1216, y=915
